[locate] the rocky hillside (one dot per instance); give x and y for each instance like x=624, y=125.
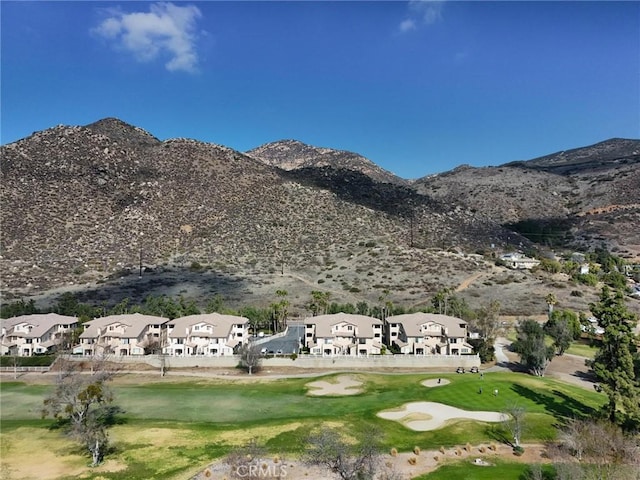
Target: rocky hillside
x=581, y=197
x=295, y=155
x=85, y=203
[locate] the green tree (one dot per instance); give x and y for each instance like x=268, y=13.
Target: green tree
x=319, y=303
x=440, y=301
x=530, y=345
x=613, y=363
x=616, y=280
x=550, y=266
x=362, y=308
x=259, y=318
x=386, y=305
x=215, y=305
x=16, y=309
x=563, y=327
x=68, y=304
x=83, y=405
x=486, y=323
x=280, y=311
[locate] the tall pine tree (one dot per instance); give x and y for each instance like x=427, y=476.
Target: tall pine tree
x=613, y=364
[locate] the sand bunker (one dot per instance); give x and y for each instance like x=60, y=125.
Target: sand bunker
x=435, y=382
x=439, y=413
x=343, y=385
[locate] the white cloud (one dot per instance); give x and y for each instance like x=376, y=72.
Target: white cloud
x=167, y=29
x=407, y=25
x=426, y=12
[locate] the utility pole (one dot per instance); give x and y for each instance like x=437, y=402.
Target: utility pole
x=411, y=229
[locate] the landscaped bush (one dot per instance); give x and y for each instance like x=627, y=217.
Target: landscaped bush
x=35, y=361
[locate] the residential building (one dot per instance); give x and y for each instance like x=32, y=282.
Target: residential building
x=35, y=334
x=428, y=334
x=519, y=261
x=343, y=334
x=206, y=334
x=129, y=334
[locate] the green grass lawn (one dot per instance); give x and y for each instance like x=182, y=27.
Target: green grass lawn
x=582, y=348
x=463, y=470
x=197, y=421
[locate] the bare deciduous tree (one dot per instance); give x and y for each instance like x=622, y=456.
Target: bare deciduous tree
x=514, y=422
x=362, y=461
x=602, y=449
x=250, y=357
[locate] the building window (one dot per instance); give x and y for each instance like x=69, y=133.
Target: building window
x=349, y=327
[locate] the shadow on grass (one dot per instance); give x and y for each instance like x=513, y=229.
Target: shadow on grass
x=560, y=405
x=499, y=434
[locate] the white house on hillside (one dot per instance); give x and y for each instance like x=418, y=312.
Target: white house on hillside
x=428, y=334
x=343, y=334
x=519, y=261
x=206, y=334
x=128, y=334
x=29, y=335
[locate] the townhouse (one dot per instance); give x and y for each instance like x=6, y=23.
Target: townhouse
x=343, y=334
x=129, y=334
x=35, y=334
x=210, y=334
x=428, y=334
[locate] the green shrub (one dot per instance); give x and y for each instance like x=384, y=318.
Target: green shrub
x=589, y=279
x=35, y=361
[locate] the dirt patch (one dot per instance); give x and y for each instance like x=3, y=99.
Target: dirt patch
x=344, y=385
x=409, y=464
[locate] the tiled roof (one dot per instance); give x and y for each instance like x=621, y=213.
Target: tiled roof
x=362, y=323
x=412, y=323
x=134, y=324
x=222, y=324
x=41, y=323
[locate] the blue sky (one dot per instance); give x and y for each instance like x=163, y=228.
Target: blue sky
x=417, y=87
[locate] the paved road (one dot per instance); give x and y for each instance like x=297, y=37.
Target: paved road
x=288, y=344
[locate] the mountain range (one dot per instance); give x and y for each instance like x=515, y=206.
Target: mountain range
x=83, y=204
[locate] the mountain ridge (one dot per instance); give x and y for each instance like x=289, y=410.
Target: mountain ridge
x=87, y=203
